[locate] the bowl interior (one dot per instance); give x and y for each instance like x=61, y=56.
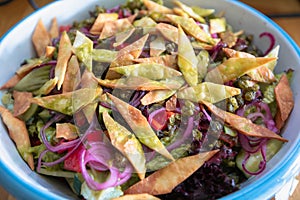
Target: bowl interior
x=16, y=45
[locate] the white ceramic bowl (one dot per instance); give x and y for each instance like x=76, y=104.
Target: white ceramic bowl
x=16, y=45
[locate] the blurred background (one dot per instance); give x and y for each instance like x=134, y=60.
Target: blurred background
x=285, y=13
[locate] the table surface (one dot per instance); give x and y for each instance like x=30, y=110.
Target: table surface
x=285, y=13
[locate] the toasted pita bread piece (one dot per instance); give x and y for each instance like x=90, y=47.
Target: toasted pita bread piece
x=53, y=32
x=88, y=80
x=171, y=104
x=169, y=31
x=166, y=179
x=151, y=71
x=72, y=76
x=142, y=83
x=166, y=60
x=19, y=134
x=111, y=28
x=155, y=7
x=100, y=21
x=11, y=82
x=21, y=102
x=140, y=126
x=127, y=144
x=243, y=125
x=25, y=69
x=156, y=96
x=187, y=59
x=188, y=10
x=126, y=55
x=47, y=87
x=50, y=50
x=207, y=91
x=70, y=102
x=284, y=99
x=192, y=28
x=235, y=67
x=123, y=36
x=261, y=74
x=64, y=55
x=136, y=197
x=40, y=38
x=67, y=131
x=157, y=46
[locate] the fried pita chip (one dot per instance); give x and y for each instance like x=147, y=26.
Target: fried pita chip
x=19, y=134
x=217, y=25
x=136, y=197
x=100, y=21
x=243, y=125
x=111, y=28
x=123, y=36
x=157, y=47
x=156, y=96
x=21, y=102
x=25, y=69
x=88, y=80
x=155, y=7
x=171, y=104
x=180, y=12
x=169, y=31
x=72, y=77
x=191, y=27
x=261, y=74
x=151, y=71
x=188, y=10
x=50, y=50
x=47, y=87
x=140, y=126
x=127, y=144
x=68, y=103
x=284, y=99
x=53, y=32
x=164, y=180
x=235, y=67
x=187, y=59
x=142, y=83
x=209, y=92
x=126, y=55
x=40, y=38
x=67, y=131
x=166, y=60
x=14, y=80
x=64, y=54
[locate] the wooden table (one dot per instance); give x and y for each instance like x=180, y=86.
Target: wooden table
x=286, y=13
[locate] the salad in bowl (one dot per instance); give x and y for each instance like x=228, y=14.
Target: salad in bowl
x=145, y=100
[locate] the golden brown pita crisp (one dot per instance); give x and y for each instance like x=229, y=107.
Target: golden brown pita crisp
x=167, y=60
x=11, y=82
x=136, y=197
x=67, y=131
x=54, y=32
x=50, y=50
x=284, y=99
x=156, y=96
x=243, y=125
x=100, y=21
x=25, y=69
x=72, y=77
x=126, y=55
x=64, y=54
x=164, y=180
x=40, y=38
x=126, y=142
x=140, y=126
x=261, y=74
x=169, y=31
x=111, y=28
x=21, y=102
x=18, y=133
x=155, y=7
x=171, y=104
